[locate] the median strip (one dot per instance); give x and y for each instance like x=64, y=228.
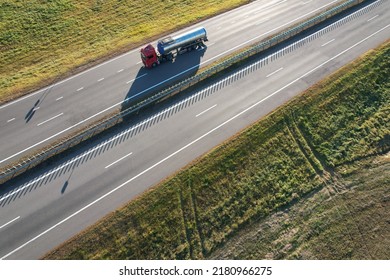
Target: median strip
x=117, y=118
x=190, y=144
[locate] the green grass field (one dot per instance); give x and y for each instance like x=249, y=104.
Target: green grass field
x=43, y=41
x=349, y=219
x=298, y=150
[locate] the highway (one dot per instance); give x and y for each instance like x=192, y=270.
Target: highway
x=46, y=207
x=35, y=121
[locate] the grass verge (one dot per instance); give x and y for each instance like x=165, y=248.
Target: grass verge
x=297, y=150
x=33, y=159
x=43, y=41
x=349, y=219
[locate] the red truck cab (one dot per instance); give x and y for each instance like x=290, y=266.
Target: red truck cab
x=149, y=56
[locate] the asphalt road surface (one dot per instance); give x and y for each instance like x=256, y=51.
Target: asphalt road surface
x=43, y=209
x=40, y=118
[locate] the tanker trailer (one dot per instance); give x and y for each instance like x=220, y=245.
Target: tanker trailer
x=171, y=46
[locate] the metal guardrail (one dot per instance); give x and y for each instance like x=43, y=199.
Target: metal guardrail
x=89, y=132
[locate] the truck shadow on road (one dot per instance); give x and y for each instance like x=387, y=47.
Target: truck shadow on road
x=150, y=81
x=58, y=168
x=55, y=172
x=146, y=83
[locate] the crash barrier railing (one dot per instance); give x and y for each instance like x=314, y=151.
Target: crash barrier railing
x=89, y=132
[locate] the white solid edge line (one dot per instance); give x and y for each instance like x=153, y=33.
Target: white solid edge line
x=191, y=143
x=59, y=168
x=70, y=78
x=266, y=33
x=196, y=66
x=127, y=99
x=222, y=53
x=9, y=222
x=108, y=166
x=34, y=93
x=201, y=113
x=227, y=51
x=107, y=142
x=60, y=132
